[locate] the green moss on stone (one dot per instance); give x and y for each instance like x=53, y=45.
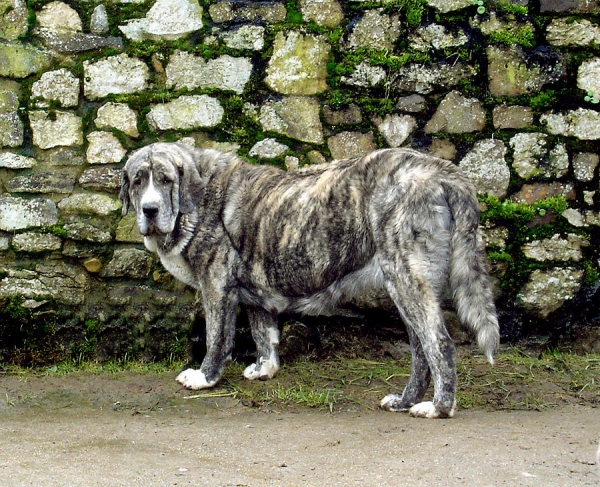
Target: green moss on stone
x=523, y=36
x=511, y=8
x=293, y=16
x=592, y=275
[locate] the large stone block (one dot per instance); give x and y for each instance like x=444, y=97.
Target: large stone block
x=513, y=72
x=446, y=6
x=16, y=161
x=47, y=182
x=295, y=116
x=104, y=148
x=425, y=78
x=18, y=214
x=486, y=166
x=166, y=20
x=573, y=6
x=374, y=30
x=588, y=76
x=571, y=33
x=245, y=37
x=582, y=123
x=327, y=13
x=533, y=157
x=298, y=65
x=55, y=129
x=546, y=291
x=59, y=85
x=245, y=10
x=132, y=263
x=186, y=112
x=36, y=242
x=186, y=70
x=59, y=16
x=13, y=21
x=21, y=60
x=119, y=74
x=118, y=116
x=457, y=114
x=101, y=179
x=61, y=282
x=89, y=204
x=11, y=126
x=350, y=144
x=556, y=248
x=395, y=128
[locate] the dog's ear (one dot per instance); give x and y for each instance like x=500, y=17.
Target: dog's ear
x=191, y=186
x=124, y=194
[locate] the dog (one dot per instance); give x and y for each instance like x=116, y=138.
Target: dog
x=396, y=221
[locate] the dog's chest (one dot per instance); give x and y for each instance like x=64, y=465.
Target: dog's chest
x=178, y=268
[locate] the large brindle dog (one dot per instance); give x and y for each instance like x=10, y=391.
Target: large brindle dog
x=395, y=220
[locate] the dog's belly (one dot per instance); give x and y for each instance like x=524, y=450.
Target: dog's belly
x=326, y=302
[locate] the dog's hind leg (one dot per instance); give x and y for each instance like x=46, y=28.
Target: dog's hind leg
x=422, y=313
x=420, y=377
x=411, y=225
x=266, y=336
x=415, y=273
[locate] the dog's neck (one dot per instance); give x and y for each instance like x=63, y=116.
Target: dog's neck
x=176, y=241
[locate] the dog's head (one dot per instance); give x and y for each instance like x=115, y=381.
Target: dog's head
x=160, y=181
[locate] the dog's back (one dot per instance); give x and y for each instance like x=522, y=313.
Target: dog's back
x=301, y=234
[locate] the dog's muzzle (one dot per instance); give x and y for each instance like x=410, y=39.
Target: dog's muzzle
x=150, y=211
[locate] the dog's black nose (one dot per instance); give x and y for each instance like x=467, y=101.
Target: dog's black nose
x=150, y=211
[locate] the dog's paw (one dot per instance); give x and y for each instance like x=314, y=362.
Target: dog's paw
x=393, y=402
x=428, y=410
x=264, y=370
x=194, y=379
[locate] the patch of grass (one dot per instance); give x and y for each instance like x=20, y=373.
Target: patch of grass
x=519, y=379
x=69, y=367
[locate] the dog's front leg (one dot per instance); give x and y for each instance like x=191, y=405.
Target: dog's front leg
x=266, y=336
x=220, y=307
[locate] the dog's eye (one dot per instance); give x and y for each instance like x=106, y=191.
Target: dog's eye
x=136, y=182
x=166, y=180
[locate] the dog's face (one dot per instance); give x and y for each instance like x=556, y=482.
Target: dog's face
x=160, y=181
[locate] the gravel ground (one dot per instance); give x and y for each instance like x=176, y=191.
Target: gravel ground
x=136, y=429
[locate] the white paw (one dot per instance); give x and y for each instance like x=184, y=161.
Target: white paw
x=194, y=379
x=389, y=403
x=428, y=410
x=267, y=370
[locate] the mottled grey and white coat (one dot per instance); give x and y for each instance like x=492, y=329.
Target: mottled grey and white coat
x=396, y=220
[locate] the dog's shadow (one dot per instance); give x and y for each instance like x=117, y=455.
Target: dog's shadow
x=368, y=335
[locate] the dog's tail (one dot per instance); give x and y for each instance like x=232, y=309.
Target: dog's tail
x=469, y=275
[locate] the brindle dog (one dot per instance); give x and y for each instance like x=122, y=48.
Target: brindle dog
x=396, y=221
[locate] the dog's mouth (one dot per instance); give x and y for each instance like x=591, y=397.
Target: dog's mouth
x=149, y=226
x=151, y=230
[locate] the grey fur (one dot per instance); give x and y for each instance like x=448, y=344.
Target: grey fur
x=309, y=241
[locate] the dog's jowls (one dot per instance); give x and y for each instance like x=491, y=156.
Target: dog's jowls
x=395, y=221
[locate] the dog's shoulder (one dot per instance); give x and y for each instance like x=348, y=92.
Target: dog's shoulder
x=211, y=161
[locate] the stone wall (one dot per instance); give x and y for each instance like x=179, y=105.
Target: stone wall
x=507, y=89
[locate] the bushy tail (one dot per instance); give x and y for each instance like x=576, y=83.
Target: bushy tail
x=469, y=276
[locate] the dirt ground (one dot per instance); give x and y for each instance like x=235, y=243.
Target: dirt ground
x=85, y=429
